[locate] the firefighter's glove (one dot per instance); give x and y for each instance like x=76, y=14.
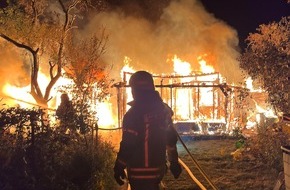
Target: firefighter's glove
x=175, y=169
x=119, y=174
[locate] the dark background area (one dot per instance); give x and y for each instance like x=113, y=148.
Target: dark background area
x=243, y=15
x=246, y=15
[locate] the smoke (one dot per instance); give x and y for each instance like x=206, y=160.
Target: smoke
x=184, y=29
x=12, y=68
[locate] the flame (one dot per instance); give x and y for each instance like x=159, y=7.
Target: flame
x=183, y=98
x=17, y=95
x=181, y=67
x=104, y=115
x=268, y=112
x=260, y=114
x=21, y=95
x=206, y=98
x=262, y=110
x=249, y=83
x=127, y=69
x=183, y=95
x=203, y=65
x=250, y=86
x=182, y=102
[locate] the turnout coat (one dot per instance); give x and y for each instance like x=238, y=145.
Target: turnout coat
x=148, y=139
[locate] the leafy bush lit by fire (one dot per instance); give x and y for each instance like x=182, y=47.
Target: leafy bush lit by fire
x=34, y=155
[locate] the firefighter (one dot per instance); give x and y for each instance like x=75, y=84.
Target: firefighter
x=148, y=138
x=66, y=113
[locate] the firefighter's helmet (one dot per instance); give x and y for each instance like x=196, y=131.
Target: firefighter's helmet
x=64, y=97
x=141, y=80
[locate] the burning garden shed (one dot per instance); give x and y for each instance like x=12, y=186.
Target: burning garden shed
x=202, y=102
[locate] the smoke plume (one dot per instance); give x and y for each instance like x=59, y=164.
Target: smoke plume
x=12, y=68
x=184, y=29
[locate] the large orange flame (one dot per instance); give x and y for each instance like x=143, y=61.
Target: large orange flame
x=182, y=102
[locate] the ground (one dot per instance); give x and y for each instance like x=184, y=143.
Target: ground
x=216, y=159
x=224, y=170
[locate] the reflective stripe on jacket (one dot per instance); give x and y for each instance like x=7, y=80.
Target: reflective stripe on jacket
x=147, y=133
x=146, y=173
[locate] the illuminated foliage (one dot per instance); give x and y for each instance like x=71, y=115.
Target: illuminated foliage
x=34, y=157
x=44, y=29
x=91, y=83
x=267, y=60
x=86, y=68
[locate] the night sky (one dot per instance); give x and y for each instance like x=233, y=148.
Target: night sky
x=243, y=15
x=246, y=15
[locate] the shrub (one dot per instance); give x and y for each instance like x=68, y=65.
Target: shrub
x=266, y=146
x=35, y=156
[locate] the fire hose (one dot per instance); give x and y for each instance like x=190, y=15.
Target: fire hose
x=179, y=160
x=196, y=164
x=188, y=170
x=191, y=175
x=127, y=185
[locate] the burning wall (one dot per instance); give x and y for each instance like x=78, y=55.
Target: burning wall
x=196, y=96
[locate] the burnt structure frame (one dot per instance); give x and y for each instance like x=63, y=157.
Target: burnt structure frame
x=228, y=91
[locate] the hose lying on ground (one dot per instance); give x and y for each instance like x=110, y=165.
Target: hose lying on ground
x=196, y=164
x=191, y=175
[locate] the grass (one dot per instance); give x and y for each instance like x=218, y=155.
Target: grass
x=215, y=159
